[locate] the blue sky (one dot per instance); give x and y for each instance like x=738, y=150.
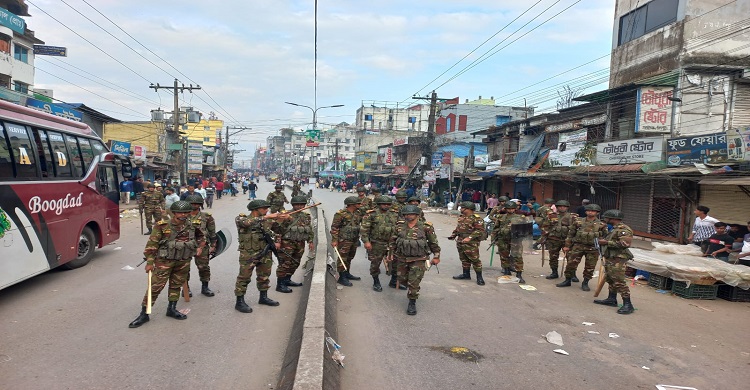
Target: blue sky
x=252, y=56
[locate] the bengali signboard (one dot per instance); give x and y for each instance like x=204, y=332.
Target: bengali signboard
x=139, y=152
x=654, y=110
x=630, y=151
x=702, y=149
x=437, y=159
x=401, y=170
x=12, y=21
x=568, y=145
x=195, y=156
x=120, y=148
x=54, y=109
x=55, y=51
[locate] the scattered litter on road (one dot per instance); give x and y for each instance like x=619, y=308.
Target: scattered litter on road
x=701, y=307
x=745, y=353
x=336, y=354
x=593, y=332
x=561, y=352
x=527, y=287
x=663, y=291
x=554, y=338
x=117, y=248
x=507, y=279
x=614, y=335
x=695, y=346
x=639, y=277
x=645, y=368
x=4, y=358
x=127, y=268
x=461, y=353
x=670, y=387
x=339, y=287
x=588, y=323
x=184, y=311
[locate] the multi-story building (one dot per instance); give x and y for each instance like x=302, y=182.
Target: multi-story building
x=16, y=50
x=456, y=121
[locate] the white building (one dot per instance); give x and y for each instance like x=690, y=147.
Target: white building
x=16, y=50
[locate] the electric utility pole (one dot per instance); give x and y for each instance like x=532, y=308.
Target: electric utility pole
x=176, y=89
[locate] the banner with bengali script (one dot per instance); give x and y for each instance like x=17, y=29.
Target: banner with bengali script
x=568, y=145
x=630, y=151
x=701, y=149
x=653, y=110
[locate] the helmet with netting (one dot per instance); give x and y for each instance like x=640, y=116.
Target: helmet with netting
x=193, y=199
x=352, y=200
x=181, y=206
x=384, y=200
x=410, y=209
x=562, y=203
x=468, y=205
x=257, y=204
x=299, y=199
x=592, y=207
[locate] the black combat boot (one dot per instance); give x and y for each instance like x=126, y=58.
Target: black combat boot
x=627, y=307
x=343, y=280
x=393, y=283
x=172, y=312
x=241, y=306
x=141, y=319
x=148, y=233
x=610, y=301
x=281, y=285
x=291, y=283
x=480, y=280
x=574, y=279
x=205, y=290
x=520, y=277
x=412, y=308
x=506, y=271
x=352, y=277
x=265, y=300
x=376, y=283
x=564, y=283
x=553, y=275
x=466, y=275
x=585, y=285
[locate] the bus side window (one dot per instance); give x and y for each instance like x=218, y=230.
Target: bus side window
x=59, y=154
x=24, y=155
x=86, y=152
x=45, y=155
x=98, y=147
x=76, y=161
x=107, y=180
x=6, y=163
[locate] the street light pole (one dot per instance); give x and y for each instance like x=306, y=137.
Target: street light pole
x=314, y=124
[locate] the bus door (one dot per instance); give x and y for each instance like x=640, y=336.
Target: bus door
x=108, y=186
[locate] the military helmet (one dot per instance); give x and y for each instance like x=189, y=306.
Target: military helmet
x=414, y=199
x=278, y=186
x=503, y=199
x=562, y=203
x=383, y=200
x=150, y=185
x=299, y=199
x=181, y=206
x=549, y=200
x=195, y=198
x=410, y=209
x=375, y=190
x=401, y=194
x=511, y=205
x=352, y=200
x=592, y=207
x=468, y=205
x=360, y=188
x=614, y=213
x=257, y=204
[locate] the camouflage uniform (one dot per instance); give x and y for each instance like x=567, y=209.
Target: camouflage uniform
x=169, y=249
x=510, y=251
x=469, y=226
x=294, y=232
x=345, y=232
x=377, y=228
x=617, y=255
x=580, y=240
x=296, y=189
x=252, y=245
x=413, y=245
x=152, y=203
x=277, y=200
x=366, y=205
x=396, y=208
x=555, y=229
x=206, y=223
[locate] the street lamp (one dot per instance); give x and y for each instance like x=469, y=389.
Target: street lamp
x=314, y=124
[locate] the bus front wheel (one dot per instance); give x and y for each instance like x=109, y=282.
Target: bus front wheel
x=86, y=246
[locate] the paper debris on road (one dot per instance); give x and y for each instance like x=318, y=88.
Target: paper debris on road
x=335, y=351
x=554, y=338
x=614, y=335
x=588, y=323
x=645, y=368
x=527, y=287
x=127, y=268
x=593, y=332
x=701, y=307
x=117, y=248
x=184, y=311
x=561, y=352
x=507, y=279
x=670, y=387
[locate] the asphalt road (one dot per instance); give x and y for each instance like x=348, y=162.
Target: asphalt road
x=69, y=329
x=702, y=344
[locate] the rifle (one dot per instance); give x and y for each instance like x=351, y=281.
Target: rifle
x=304, y=208
x=140, y=210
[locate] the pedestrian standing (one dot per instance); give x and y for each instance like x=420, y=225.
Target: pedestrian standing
x=210, y=193
x=703, y=227
x=412, y=243
x=345, y=237
x=206, y=223
x=170, y=199
x=252, y=187
x=377, y=228
x=616, y=256
x=720, y=243
x=468, y=234
x=491, y=203
x=293, y=231
x=152, y=203
x=580, y=243
x=581, y=210
x=168, y=251
x=219, y=189
x=476, y=197
x=126, y=187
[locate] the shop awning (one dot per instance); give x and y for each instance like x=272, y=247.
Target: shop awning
x=608, y=168
x=728, y=181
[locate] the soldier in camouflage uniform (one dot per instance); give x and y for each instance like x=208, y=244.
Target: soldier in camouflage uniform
x=294, y=231
x=617, y=255
x=399, y=203
x=415, y=201
x=580, y=242
x=207, y=224
x=540, y=217
x=345, y=237
x=152, y=203
x=255, y=253
x=554, y=233
x=296, y=189
x=412, y=243
x=510, y=250
x=168, y=251
x=468, y=234
x=377, y=228
x=277, y=199
x=500, y=210
x=367, y=203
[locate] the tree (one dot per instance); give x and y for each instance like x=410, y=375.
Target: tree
x=566, y=96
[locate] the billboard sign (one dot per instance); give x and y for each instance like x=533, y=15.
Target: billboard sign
x=630, y=151
x=569, y=145
x=702, y=149
x=653, y=110
x=120, y=148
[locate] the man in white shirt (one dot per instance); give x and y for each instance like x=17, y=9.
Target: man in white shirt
x=744, y=255
x=703, y=227
x=170, y=198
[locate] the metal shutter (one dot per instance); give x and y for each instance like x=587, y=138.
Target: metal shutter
x=728, y=203
x=741, y=109
x=636, y=204
x=666, y=211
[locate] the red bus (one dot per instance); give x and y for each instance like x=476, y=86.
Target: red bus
x=59, y=193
